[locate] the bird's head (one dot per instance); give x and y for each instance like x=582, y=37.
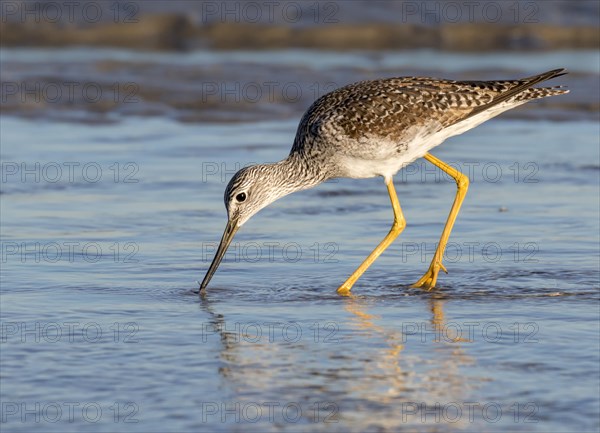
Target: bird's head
x=251, y=189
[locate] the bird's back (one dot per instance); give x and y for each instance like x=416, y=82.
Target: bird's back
x=400, y=119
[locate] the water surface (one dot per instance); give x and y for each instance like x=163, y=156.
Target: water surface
x=104, y=240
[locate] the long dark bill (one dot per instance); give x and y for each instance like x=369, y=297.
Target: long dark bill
x=228, y=235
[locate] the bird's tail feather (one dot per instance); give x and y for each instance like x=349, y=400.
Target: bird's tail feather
x=524, y=90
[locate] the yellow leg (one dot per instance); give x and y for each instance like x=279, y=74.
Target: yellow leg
x=397, y=227
x=428, y=280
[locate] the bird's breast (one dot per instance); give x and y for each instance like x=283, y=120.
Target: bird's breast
x=358, y=168
x=369, y=156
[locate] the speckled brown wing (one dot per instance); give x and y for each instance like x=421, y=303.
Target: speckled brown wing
x=388, y=108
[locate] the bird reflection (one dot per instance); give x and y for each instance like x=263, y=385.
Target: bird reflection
x=400, y=369
x=373, y=365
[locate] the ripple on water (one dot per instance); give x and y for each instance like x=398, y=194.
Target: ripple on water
x=502, y=285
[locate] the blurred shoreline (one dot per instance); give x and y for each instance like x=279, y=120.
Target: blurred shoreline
x=178, y=32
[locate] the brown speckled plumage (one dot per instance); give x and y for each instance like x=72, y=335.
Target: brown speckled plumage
x=351, y=119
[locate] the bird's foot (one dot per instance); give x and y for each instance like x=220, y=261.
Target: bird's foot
x=344, y=289
x=427, y=281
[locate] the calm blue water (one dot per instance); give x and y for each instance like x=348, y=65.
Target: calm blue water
x=106, y=230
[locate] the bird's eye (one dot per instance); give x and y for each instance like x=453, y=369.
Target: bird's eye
x=241, y=197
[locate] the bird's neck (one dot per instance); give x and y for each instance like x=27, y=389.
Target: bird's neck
x=296, y=173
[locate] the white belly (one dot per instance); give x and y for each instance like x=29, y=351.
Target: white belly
x=387, y=161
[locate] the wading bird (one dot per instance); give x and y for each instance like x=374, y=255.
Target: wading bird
x=374, y=128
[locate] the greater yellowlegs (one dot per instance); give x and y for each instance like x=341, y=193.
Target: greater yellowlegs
x=374, y=128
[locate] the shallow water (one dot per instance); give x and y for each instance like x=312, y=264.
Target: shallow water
x=104, y=241
x=106, y=85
